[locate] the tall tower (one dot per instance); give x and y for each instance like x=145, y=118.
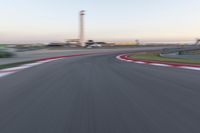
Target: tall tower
x=82, y=35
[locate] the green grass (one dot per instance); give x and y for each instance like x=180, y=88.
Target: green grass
x=157, y=57
x=15, y=64
x=4, y=54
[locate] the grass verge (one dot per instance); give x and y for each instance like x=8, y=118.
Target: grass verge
x=157, y=57
x=4, y=54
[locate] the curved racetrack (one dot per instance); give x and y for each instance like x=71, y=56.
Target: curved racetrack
x=100, y=94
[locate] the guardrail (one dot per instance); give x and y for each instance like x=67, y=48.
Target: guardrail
x=180, y=50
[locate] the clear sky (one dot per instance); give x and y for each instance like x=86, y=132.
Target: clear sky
x=25, y=21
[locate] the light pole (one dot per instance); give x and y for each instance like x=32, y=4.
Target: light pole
x=82, y=35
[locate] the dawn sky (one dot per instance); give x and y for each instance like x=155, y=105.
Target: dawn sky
x=27, y=21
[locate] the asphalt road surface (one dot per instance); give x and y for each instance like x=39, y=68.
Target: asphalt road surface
x=100, y=94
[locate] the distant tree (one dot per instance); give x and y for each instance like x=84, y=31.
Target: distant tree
x=137, y=42
x=197, y=42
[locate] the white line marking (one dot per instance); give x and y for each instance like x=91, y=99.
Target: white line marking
x=158, y=64
x=5, y=74
x=14, y=68
x=139, y=62
x=191, y=68
x=8, y=71
x=121, y=57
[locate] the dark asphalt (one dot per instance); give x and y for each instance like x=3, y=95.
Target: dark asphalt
x=99, y=94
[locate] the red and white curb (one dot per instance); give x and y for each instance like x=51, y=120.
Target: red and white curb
x=8, y=71
x=125, y=57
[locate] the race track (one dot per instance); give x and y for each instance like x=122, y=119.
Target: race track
x=100, y=94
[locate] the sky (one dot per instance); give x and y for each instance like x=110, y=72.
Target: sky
x=43, y=21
